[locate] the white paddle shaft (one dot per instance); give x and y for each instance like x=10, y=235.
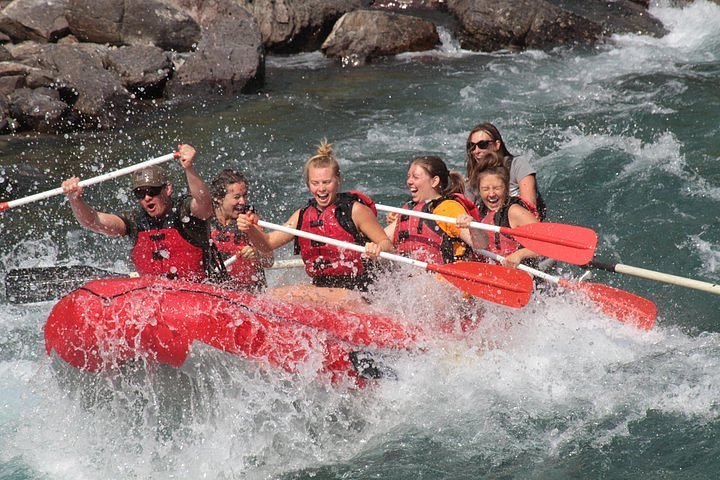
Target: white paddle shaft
x=667, y=278
x=85, y=183
x=339, y=243
x=530, y=270
x=438, y=218
x=289, y=263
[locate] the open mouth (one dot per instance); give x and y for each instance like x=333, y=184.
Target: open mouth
x=492, y=201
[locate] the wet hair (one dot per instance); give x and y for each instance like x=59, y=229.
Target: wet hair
x=489, y=159
x=450, y=182
x=219, y=185
x=324, y=157
x=494, y=134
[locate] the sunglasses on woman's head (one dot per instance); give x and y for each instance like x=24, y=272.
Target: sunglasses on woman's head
x=141, y=192
x=482, y=145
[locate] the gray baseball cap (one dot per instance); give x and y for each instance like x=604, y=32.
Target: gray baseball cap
x=152, y=176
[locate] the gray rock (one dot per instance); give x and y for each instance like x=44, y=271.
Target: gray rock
x=97, y=21
x=365, y=34
x=100, y=95
x=229, y=58
x=10, y=83
x=38, y=109
x=5, y=54
x=409, y=4
x=142, y=69
x=291, y=26
x=38, y=20
x=617, y=16
x=162, y=23
x=488, y=25
x=4, y=115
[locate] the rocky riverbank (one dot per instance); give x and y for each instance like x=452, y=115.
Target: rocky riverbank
x=83, y=64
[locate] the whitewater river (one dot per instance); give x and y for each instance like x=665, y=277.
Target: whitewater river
x=624, y=136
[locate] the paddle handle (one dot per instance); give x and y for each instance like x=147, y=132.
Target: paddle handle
x=530, y=270
x=289, y=263
x=658, y=276
x=89, y=181
x=438, y=218
x=339, y=243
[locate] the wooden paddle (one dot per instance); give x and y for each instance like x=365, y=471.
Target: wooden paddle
x=89, y=181
x=505, y=286
x=658, y=276
x=43, y=284
x=567, y=243
x=625, y=306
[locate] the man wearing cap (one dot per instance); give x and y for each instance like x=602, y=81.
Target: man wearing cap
x=170, y=235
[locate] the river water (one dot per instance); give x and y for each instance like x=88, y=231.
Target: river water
x=624, y=136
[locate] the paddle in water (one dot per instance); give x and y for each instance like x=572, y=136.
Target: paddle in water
x=505, y=286
x=624, y=306
x=567, y=243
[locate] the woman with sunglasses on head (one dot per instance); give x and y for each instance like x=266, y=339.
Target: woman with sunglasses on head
x=240, y=242
x=436, y=190
x=170, y=234
x=484, y=138
x=342, y=216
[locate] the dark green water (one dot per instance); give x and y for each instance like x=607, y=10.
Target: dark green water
x=625, y=140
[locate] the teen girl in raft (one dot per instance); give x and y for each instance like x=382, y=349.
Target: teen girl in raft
x=434, y=189
x=499, y=208
x=236, y=236
x=341, y=216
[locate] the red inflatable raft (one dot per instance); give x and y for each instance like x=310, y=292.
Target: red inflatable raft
x=108, y=322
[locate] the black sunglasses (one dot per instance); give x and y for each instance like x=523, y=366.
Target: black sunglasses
x=482, y=145
x=141, y=192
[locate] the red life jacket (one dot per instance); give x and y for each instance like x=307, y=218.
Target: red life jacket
x=163, y=249
x=321, y=259
x=532, y=208
x=228, y=239
x=502, y=244
x=424, y=240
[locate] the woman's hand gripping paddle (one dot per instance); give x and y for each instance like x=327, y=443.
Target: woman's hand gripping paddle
x=624, y=306
x=505, y=286
x=89, y=181
x=567, y=243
